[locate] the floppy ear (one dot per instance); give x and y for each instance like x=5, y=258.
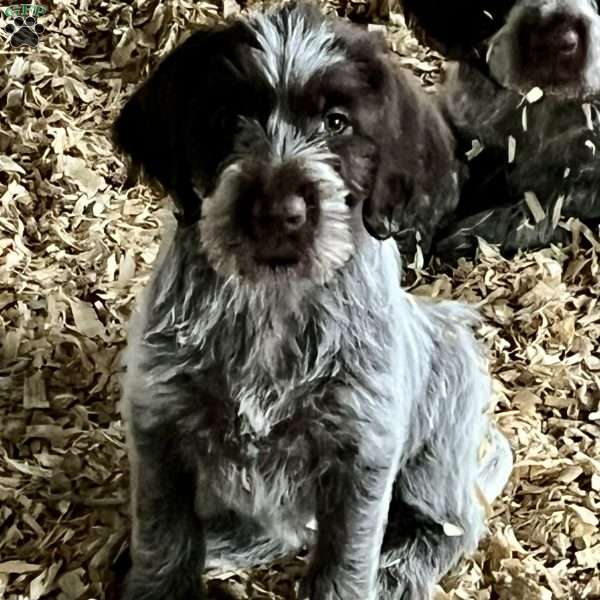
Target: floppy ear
x=455, y=28
x=164, y=126
x=417, y=180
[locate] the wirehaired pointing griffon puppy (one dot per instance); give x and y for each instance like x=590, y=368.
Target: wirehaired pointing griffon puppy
x=277, y=374
x=536, y=163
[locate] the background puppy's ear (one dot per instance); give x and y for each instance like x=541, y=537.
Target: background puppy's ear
x=416, y=185
x=455, y=28
x=174, y=105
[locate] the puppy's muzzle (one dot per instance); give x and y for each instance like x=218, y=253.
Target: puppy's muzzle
x=279, y=212
x=554, y=50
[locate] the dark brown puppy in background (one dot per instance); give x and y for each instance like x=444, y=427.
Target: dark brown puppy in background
x=526, y=88
x=277, y=373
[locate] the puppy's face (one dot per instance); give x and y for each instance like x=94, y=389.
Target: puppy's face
x=270, y=131
x=553, y=44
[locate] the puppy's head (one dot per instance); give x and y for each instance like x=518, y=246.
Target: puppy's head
x=552, y=44
x=273, y=131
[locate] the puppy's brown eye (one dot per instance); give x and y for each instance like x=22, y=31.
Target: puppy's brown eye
x=337, y=123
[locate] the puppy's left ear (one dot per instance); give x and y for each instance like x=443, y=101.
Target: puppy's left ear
x=416, y=183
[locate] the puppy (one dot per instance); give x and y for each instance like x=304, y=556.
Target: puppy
x=534, y=163
x=277, y=375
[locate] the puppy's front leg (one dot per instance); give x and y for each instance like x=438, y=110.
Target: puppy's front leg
x=167, y=541
x=352, y=505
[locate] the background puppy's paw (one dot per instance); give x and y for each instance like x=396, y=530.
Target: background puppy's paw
x=451, y=248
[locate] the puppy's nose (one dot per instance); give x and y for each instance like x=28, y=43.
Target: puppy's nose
x=559, y=38
x=292, y=212
x=287, y=213
x=554, y=51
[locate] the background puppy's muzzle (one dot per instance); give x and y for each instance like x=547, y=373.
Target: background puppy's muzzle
x=554, y=51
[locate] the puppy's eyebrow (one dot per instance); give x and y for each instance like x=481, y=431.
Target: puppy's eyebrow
x=343, y=84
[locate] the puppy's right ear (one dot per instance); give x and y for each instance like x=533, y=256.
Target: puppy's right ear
x=415, y=187
x=173, y=107
x=455, y=28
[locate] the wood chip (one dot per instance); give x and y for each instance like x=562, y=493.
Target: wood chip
x=587, y=111
x=534, y=95
x=452, y=530
x=34, y=392
x=512, y=149
x=537, y=212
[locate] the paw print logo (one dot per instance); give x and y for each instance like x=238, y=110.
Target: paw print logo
x=24, y=32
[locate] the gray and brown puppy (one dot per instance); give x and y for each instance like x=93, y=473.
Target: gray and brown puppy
x=277, y=375
x=537, y=163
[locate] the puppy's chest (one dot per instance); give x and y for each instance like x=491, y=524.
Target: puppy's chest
x=279, y=398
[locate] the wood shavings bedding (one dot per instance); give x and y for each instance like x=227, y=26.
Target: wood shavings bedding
x=75, y=248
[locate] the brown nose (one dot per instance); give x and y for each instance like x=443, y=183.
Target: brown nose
x=559, y=37
x=554, y=51
x=287, y=214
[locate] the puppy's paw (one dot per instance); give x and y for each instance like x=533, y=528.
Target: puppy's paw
x=394, y=584
x=412, y=592
x=153, y=594
x=452, y=247
x=321, y=587
x=119, y=569
x=150, y=588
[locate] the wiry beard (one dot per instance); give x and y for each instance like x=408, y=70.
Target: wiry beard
x=231, y=252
